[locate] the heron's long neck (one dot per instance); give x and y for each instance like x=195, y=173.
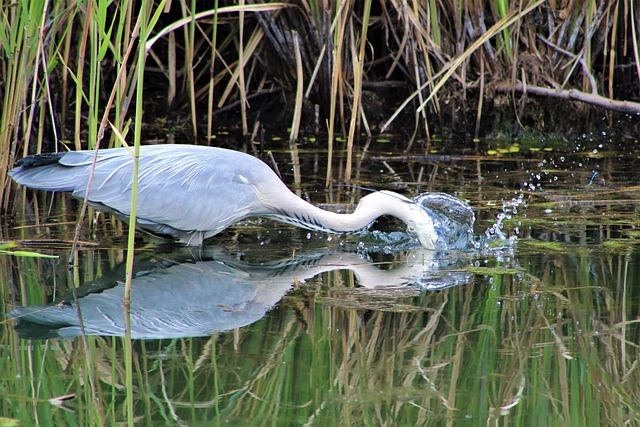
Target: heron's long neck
x=297, y=211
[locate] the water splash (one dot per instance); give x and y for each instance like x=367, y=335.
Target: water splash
x=452, y=218
x=453, y=221
x=497, y=236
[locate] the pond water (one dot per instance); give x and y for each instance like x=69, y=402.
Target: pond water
x=269, y=324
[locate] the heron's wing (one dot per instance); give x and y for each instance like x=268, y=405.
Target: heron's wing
x=187, y=188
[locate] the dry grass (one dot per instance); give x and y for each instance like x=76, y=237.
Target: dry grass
x=357, y=63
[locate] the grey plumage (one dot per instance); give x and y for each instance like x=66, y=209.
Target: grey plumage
x=194, y=192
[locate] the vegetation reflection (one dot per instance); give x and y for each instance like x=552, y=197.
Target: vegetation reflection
x=546, y=345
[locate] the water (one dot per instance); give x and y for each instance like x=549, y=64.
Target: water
x=537, y=325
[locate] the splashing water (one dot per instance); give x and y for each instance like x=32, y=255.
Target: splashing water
x=453, y=221
x=452, y=218
x=495, y=237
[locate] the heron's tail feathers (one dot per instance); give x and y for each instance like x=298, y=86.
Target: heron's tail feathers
x=45, y=172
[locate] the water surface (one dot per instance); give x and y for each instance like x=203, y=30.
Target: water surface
x=274, y=325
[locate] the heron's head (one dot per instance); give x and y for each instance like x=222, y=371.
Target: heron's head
x=418, y=220
x=421, y=225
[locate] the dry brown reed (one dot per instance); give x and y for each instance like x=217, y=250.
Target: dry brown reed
x=438, y=57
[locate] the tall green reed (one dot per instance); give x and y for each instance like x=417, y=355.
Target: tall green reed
x=20, y=44
x=437, y=49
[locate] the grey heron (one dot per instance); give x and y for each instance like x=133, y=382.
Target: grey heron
x=194, y=192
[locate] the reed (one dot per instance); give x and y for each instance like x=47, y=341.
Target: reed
x=297, y=115
x=349, y=51
x=555, y=343
x=211, y=92
x=19, y=41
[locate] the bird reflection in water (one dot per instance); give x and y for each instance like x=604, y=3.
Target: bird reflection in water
x=219, y=292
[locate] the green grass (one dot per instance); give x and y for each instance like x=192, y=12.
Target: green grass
x=73, y=71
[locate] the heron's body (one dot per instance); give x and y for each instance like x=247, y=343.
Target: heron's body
x=194, y=192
